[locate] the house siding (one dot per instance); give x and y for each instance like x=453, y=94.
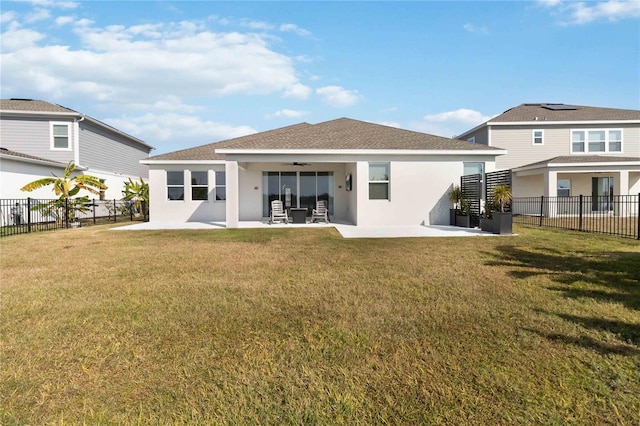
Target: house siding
x=110, y=152
x=32, y=136
x=517, y=140
x=481, y=135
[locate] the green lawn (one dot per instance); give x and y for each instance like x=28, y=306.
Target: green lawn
x=300, y=326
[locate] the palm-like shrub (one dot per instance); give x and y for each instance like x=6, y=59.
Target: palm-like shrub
x=66, y=187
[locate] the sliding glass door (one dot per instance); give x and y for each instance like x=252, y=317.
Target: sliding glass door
x=297, y=189
x=602, y=193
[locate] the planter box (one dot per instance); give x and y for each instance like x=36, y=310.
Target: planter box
x=487, y=225
x=452, y=217
x=463, y=221
x=503, y=223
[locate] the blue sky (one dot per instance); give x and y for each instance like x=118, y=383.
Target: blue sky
x=179, y=74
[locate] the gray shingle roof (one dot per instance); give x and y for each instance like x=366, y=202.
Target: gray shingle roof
x=546, y=112
x=34, y=105
x=5, y=151
x=339, y=134
x=577, y=159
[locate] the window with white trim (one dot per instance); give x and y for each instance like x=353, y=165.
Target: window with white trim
x=175, y=186
x=472, y=139
x=595, y=141
x=379, y=181
x=221, y=186
x=60, y=136
x=564, y=188
x=199, y=186
x=537, y=137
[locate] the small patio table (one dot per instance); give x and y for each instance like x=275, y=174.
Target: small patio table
x=298, y=215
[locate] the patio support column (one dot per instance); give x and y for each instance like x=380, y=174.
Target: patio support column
x=551, y=190
x=233, y=196
x=621, y=187
x=361, y=186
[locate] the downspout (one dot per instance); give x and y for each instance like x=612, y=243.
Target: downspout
x=76, y=140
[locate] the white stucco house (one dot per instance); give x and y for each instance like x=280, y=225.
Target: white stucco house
x=369, y=175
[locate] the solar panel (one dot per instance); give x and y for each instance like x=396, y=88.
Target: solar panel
x=559, y=107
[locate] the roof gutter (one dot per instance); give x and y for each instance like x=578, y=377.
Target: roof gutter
x=574, y=165
x=490, y=151
x=556, y=123
x=35, y=161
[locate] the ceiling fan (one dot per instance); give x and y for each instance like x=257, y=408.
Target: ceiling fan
x=296, y=163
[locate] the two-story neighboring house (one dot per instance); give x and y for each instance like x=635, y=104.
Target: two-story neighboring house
x=38, y=138
x=563, y=150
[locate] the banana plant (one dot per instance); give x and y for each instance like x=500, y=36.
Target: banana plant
x=137, y=192
x=66, y=187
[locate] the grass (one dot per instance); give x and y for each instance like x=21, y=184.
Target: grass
x=611, y=225
x=300, y=326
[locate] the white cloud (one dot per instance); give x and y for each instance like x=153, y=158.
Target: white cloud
x=256, y=25
x=53, y=4
x=128, y=64
x=63, y=20
x=177, y=131
x=295, y=29
x=450, y=123
x=7, y=16
x=287, y=113
x=297, y=91
x=549, y=3
x=475, y=29
x=580, y=13
x=37, y=15
x=338, y=97
x=16, y=38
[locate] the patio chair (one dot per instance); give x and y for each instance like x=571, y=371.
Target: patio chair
x=320, y=212
x=278, y=213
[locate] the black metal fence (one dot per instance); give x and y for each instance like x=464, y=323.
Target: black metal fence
x=608, y=214
x=25, y=215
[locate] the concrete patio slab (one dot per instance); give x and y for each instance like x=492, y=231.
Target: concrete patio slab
x=346, y=230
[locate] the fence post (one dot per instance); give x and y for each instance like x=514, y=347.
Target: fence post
x=66, y=212
x=28, y=214
x=541, y=208
x=580, y=214
x=94, y=211
x=115, y=211
x=638, y=216
x=144, y=210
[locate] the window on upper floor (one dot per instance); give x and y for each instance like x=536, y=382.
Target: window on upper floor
x=61, y=136
x=537, y=137
x=595, y=141
x=472, y=139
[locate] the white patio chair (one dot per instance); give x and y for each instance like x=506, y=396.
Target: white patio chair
x=320, y=212
x=278, y=213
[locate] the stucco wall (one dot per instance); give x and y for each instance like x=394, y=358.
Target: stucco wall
x=163, y=210
x=419, y=187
